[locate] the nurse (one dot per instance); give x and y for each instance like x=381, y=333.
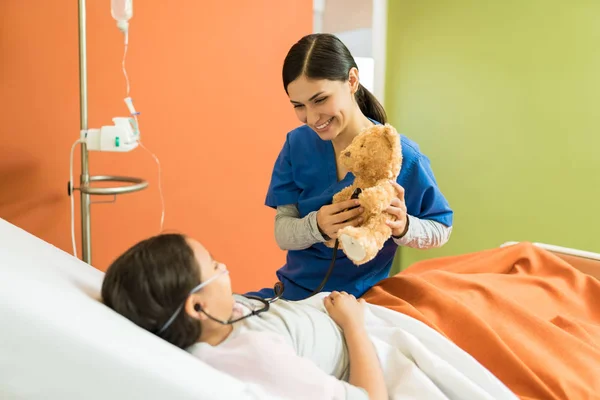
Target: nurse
x=321, y=79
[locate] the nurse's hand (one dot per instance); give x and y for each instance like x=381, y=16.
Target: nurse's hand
x=332, y=217
x=398, y=209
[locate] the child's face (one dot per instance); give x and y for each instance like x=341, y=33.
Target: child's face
x=216, y=297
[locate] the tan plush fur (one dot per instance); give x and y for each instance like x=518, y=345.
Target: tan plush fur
x=374, y=157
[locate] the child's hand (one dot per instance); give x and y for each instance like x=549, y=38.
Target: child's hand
x=345, y=310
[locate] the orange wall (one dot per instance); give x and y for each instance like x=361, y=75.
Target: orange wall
x=206, y=77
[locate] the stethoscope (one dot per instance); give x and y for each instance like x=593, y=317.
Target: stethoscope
x=278, y=290
x=354, y=196
x=266, y=303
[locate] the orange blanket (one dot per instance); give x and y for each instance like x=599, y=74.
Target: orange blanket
x=525, y=314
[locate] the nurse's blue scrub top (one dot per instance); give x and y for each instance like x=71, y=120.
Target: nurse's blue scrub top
x=305, y=174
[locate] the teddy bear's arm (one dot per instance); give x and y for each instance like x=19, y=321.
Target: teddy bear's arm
x=377, y=199
x=343, y=194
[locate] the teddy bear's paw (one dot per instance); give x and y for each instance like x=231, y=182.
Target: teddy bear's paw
x=353, y=248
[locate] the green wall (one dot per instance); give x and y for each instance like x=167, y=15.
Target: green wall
x=504, y=98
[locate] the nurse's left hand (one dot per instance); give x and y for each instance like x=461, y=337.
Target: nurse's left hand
x=398, y=209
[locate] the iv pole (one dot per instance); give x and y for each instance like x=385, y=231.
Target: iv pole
x=86, y=244
x=135, y=184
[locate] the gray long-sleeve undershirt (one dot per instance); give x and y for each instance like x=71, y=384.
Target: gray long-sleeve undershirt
x=295, y=233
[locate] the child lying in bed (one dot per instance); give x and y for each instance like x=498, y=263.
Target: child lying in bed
x=171, y=286
x=487, y=325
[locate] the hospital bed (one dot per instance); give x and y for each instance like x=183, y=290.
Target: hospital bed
x=58, y=341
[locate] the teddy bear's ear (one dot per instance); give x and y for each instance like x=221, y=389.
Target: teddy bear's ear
x=392, y=136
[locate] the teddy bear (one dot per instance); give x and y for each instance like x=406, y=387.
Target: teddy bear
x=375, y=158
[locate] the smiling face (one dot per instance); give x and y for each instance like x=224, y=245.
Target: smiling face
x=326, y=106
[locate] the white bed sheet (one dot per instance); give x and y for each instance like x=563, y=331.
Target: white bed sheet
x=420, y=363
x=57, y=341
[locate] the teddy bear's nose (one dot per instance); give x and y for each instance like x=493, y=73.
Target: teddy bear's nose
x=348, y=154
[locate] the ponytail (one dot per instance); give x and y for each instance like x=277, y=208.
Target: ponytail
x=369, y=105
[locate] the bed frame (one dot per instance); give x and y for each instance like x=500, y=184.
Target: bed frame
x=585, y=261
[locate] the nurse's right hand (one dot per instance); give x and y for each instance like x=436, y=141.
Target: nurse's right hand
x=334, y=217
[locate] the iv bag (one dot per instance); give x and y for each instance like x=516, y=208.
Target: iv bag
x=122, y=11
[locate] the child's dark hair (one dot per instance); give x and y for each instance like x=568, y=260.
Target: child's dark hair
x=149, y=281
x=324, y=56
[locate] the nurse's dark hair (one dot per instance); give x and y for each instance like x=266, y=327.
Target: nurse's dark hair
x=149, y=281
x=324, y=56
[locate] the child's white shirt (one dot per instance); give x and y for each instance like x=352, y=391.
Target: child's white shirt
x=266, y=359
